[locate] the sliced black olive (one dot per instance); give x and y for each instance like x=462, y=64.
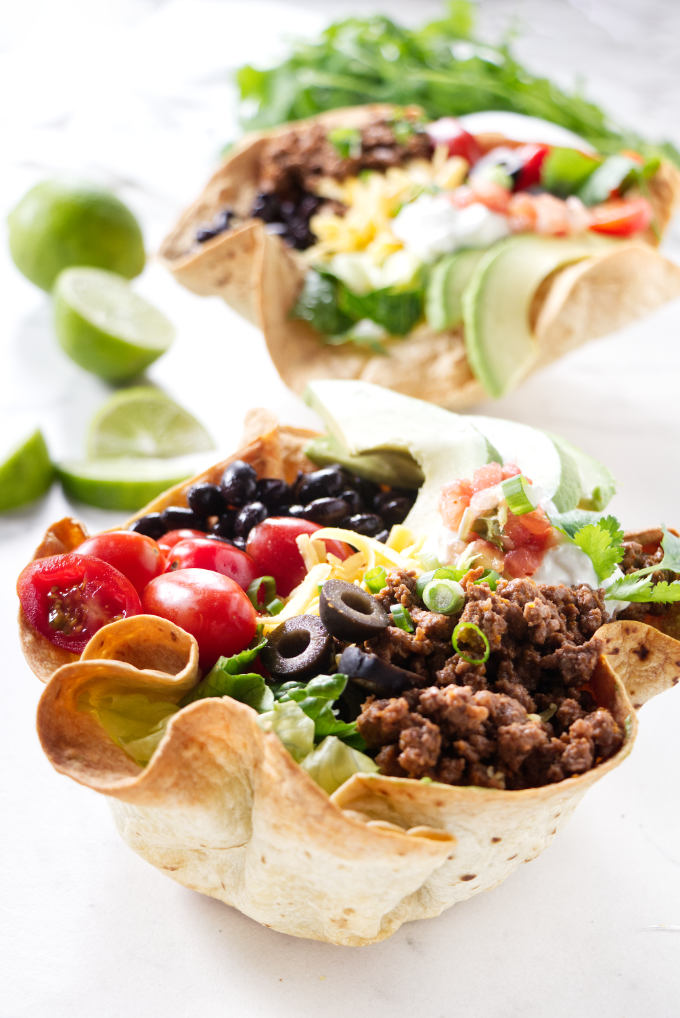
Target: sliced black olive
x=349, y=612
x=299, y=649
x=374, y=674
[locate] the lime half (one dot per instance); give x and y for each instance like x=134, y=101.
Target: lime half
x=59, y=223
x=123, y=483
x=144, y=421
x=26, y=473
x=105, y=327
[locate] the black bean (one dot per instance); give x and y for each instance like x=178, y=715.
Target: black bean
x=224, y=524
x=382, y=535
x=239, y=542
x=366, y=523
x=249, y=517
x=274, y=492
x=239, y=483
x=151, y=525
x=297, y=510
x=393, y=510
x=326, y=511
x=205, y=499
x=367, y=489
x=204, y=234
x=353, y=500
x=320, y=483
x=177, y=517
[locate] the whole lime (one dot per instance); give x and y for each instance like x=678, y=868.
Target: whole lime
x=59, y=223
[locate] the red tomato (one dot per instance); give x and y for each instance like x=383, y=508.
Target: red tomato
x=220, y=557
x=459, y=142
x=210, y=606
x=173, y=537
x=272, y=546
x=134, y=555
x=621, y=218
x=68, y=598
x=531, y=158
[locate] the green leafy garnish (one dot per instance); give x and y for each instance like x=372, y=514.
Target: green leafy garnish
x=440, y=66
x=346, y=141
x=639, y=587
x=229, y=677
x=396, y=309
x=318, y=305
x=316, y=699
x=603, y=544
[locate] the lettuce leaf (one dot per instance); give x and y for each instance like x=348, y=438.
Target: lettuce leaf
x=228, y=677
x=333, y=762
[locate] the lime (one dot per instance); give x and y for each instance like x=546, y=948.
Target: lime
x=26, y=473
x=144, y=421
x=59, y=223
x=124, y=482
x=105, y=327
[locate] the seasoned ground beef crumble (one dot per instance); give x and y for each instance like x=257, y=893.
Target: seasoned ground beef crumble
x=524, y=718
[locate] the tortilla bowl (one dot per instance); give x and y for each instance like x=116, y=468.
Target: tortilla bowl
x=225, y=810
x=260, y=277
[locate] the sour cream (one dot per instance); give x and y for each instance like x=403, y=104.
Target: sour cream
x=522, y=128
x=431, y=226
x=566, y=563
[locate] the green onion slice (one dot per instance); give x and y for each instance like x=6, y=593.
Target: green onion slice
x=461, y=630
x=517, y=493
x=444, y=596
x=442, y=573
x=402, y=618
x=491, y=577
x=274, y=606
x=375, y=579
x=261, y=591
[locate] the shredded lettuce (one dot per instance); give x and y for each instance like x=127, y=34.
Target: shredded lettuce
x=333, y=762
x=229, y=677
x=294, y=728
x=316, y=699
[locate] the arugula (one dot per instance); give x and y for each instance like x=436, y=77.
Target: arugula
x=441, y=66
x=228, y=677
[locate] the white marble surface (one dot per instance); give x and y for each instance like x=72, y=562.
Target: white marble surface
x=136, y=93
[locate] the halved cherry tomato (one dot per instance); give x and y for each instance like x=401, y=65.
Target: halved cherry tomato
x=621, y=218
x=173, y=537
x=134, y=555
x=210, y=606
x=459, y=142
x=531, y=159
x=69, y=597
x=220, y=557
x=272, y=546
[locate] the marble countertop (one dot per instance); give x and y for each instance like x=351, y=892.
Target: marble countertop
x=136, y=94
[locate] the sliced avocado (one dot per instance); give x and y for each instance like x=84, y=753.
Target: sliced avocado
x=444, y=292
x=496, y=302
x=596, y=484
x=393, y=468
x=365, y=418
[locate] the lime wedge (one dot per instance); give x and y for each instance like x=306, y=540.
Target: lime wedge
x=144, y=421
x=105, y=327
x=60, y=223
x=26, y=473
x=122, y=483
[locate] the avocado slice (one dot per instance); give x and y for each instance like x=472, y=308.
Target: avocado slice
x=596, y=484
x=365, y=418
x=496, y=302
x=393, y=468
x=444, y=292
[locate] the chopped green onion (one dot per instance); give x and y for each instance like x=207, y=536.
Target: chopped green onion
x=442, y=573
x=346, y=141
x=426, y=781
x=516, y=492
x=261, y=591
x=444, y=596
x=402, y=618
x=429, y=561
x=469, y=627
x=491, y=577
x=275, y=606
x=375, y=579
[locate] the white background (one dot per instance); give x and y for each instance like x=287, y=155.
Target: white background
x=136, y=94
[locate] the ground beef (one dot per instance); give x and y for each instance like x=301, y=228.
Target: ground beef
x=297, y=160
x=524, y=718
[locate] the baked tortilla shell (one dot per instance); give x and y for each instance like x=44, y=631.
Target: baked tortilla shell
x=260, y=277
x=224, y=809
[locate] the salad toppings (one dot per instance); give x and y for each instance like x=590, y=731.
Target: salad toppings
x=298, y=649
x=350, y=613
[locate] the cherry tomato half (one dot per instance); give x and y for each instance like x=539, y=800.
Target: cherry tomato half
x=459, y=142
x=134, y=555
x=210, y=606
x=271, y=544
x=173, y=537
x=621, y=218
x=531, y=159
x=69, y=597
x=220, y=557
